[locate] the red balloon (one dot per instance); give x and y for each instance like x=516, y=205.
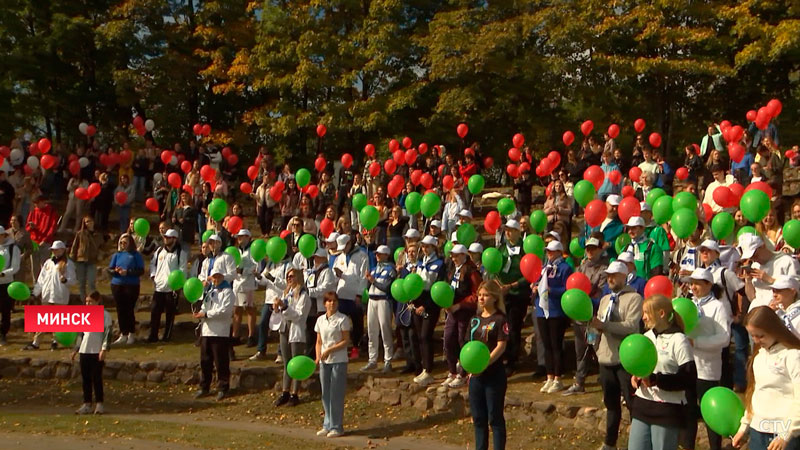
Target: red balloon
x=579, y=281
x=399, y=157
x=629, y=207
x=174, y=180
x=774, y=107
x=389, y=166
x=252, y=172
x=627, y=191
x=659, y=284
x=94, y=190
x=197, y=129
x=226, y=151
x=394, y=188
x=234, y=224
x=762, y=118
x=33, y=149
x=138, y=122
x=320, y=164
x=81, y=193
x=48, y=161
x=246, y=187
x=736, y=133
x=188, y=189
x=615, y=177
x=492, y=222
x=375, y=169
x=613, y=131
x=166, y=156
x=682, y=173
x=121, y=197
x=531, y=267
x=44, y=145
x=440, y=169
x=369, y=149
x=275, y=193
x=416, y=176
x=423, y=148
x=151, y=204
x=462, y=129
x=595, y=212
x=723, y=196
x=312, y=190
x=790, y=154
x=518, y=140
x=426, y=180
x=761, y=186
x=655, y=140
x=568, y=138
x=488, y=162
x=285, y=233
x=279, y=185
x=206, y=129
x=709, y=213
x=208, y=173
x=6, y=151
x=448, y=182
x=751, y=115
x=639, y=125
x=407, y=142
x=525, y=167
x=514, y=154
x=326, y=227
x=104, y=160
x=74, y=167
x=587, y=127
x=736, y=151
x=513, y=170
x=321, y=130
x=125, y=156
x=411, y=156
x=347, y=160
x=545, y=164
x=724, y=125
x=91, y=130
x=540, y=172
x=394, y=145
x=737, y=190
x=595, y=175
x=635, y=174
x=186, y=167
x=469, y=152
x=555, y=158
x=233, y=159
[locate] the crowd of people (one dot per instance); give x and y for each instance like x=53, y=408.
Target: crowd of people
x=331, y=294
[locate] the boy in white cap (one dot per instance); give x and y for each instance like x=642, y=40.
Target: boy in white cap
x=786, y=304
x=647, y=257
x=687, y=258
x=475, y=251
x=244, y=286
x=657, y=233
x=53, y=284
x=379, y=311
x=464, y=216
x=516, y=289
x=166, y=259
x=217, y=314
x=330, y=245
x=217, y=259
x=351, y=267
x=11, y=255
x=761, y=267
x=319, y=280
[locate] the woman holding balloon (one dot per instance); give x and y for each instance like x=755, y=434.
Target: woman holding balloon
x=294, y=306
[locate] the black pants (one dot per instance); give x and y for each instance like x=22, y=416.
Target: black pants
x=101, y=218
x=356, y=315
x=615, y=382
x=552, y=330
x=215, y=351
x=265, y=218
x=689, y=434
x=487, y=393
x=163, y=302
x=6, y=306
x=92, y=375
x=424, y=326
x=517, y=306
x=411, y=347
x=125, y=295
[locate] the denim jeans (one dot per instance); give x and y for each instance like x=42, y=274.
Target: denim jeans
x=742, y=350
x=124, y=217
x=645, y=436
x=263, y=327
x=760, y=441
x=86, y=273
x=140, y=186
x=333, y=378
x=201, y=223
x=487, y=393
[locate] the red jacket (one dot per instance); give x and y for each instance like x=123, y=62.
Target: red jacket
x=467, y=171
x=43, y=226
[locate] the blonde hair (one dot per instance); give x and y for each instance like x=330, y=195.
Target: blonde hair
x=659, y=302
x=493, y=288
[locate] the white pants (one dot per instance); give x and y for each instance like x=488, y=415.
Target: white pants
x=379, y=325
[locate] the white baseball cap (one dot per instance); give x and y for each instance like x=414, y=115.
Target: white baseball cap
x=513, y=224
x=617, y=267
x=171, y=233
x=341, y=242
x=411, y=233
x=465, y=213
x=702, y=274
x=332, y=237
x=593, y=242
x=244, y=232
x=476, y=248
x=710, y=244
x=555, y=246
x=613, y=199
x=429, y=240
x=625, y=257
x=58, y=245
x=321, y=252
x=786, y=283
x=214, y=237
x=458, y=249
x=748, y=244
x=216, y=271
x=555, y=235
x=635, y=221
x=644, y=206
x=436, y=223
x=383, y=249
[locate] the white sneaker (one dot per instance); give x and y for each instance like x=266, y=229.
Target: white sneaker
x=278, y=360
x=450, y=377
x=370, y=366
x=387, y=367
x=546, y=386
x=131, y=339
x=98, y=409
x=457, y=382
x=334, y=434
x=259, y=356
x=555, y=386
x=322, y=432
x=420, y=376
x=426, y=379
x=120, y=340
x=86, y=408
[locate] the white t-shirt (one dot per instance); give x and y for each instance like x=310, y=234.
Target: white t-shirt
x=776, y=399
x=330, y=330
x=674, y=351
x=780, y=265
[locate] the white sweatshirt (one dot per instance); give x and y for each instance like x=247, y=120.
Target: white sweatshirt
x=49, y=283
x=163, y=263
x=711, y=335
x=775, y=406
x=218, y=306
x=353, y=281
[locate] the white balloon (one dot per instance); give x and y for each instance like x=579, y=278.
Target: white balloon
x=16, y=156
x=33, y=162
x=83, y=127
x=173, y=161
x=158, y=177
x=83, y=162
x=149, y=124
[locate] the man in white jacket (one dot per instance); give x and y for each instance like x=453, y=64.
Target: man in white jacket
x=319, y=280
x=166, y=259
x=274, y=278
x=244, y=286
x=217, y=260
x=217, y=314
x=9, y=251
x=55, y=279
x=351, y=267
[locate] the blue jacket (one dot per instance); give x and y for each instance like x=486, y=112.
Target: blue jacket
x=609, y=188
x=384, y=274
x=130, y=261
x=557, y=285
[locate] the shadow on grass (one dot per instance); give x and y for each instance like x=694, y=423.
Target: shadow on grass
x=394, y=429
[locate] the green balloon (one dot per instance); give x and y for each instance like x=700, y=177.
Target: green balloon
x=684, y=222
x=577, y=305
x=466, y=234
x=369, y=217
x=442, y=294
x=747, y=229
x=365, y=297
x=533, y=243
x=447, y=247
x=654, y=195
x=492, y=260
x=276, y=249
x=754, y=205
x=791, y=234
x=207, y=234
x=413, y=203
x=18, y=291
x=193, y=289
x=359, y=201
x=176, y=279
x=722, y=225
x=2, y=262
x=722, y=410
x=506, y=206
x=303, y=177
x=474, y=357
x=399, y=251
x=662, y=209
x=687, y=311
x=684, y=200
x=430, y=204
x=414, y=285
x=301, y=367
x=235, y=254
x=623, y=240
x=475, y=184
x=538, y=221
x=575, y=248
x=398, y=290
x=218, y=209
x=584, y=192
x=307, y=244
x=638, y=355
x=258, y=250
x=65, y=338
x=141, y=227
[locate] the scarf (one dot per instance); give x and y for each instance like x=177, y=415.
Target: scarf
x=701, y=302
x=612, y=302
x=548, y=271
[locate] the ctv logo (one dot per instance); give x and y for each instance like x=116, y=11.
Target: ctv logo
x=778, y=427
x=53, y=318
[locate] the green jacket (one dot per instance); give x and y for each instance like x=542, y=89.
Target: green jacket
x=510, y=271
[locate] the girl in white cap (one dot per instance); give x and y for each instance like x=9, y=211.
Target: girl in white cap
x=55, y=279
x=786, y=304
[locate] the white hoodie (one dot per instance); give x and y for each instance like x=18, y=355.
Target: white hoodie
x=163, y=263
x=12, y=256
x=246, y=281
x=354, y=269
x=49, y=283
x=711, y=334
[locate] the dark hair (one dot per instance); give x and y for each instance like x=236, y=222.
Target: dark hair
x=96, y=297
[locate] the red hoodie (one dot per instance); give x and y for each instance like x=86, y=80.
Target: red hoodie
x=43, y=226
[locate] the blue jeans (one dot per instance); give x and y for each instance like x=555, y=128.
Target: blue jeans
x=760, y=441
x=487, y=393
x=124, y=217
x=201, y=223
x=86, y=273
x=140, y=186
x=742, y=350
x=333, y=378
x=263, y=327
x=652, y=437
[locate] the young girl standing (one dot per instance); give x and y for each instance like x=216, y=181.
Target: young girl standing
x=659, y=403
x=92, y=348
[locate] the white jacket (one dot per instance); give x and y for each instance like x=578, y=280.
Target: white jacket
x=353, y=281
x=246, y=281
x=218, y=306
x=318, y=282
x=294, y=314
x=274, y=289
x=163, y=263
x=12, y=256
x=776, y=396
x=222, y=261
x=49, y=283
x=711, y=334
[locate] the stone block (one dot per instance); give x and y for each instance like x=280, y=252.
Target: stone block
x=140, y=376
x=156, y=376
x=370, y=383
x=453, y=393
x=109, y=373
x=375, y=395
x=543, y=407
x=9, y=371
x=588, y=411
x=116, y=365
x=166, y=366
x=27, y=372
x=124, y=375
x=569, y=411
x=513, y=401
x=21, y=360
x=388, y=383
x=44, y=373
x=38, y=362
x=248, y=382
x=423, y=403
x=189, y=377
x=441, y=403
x=391, y=398
x=363, y=392
x=62, y=372
x=148, y=365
